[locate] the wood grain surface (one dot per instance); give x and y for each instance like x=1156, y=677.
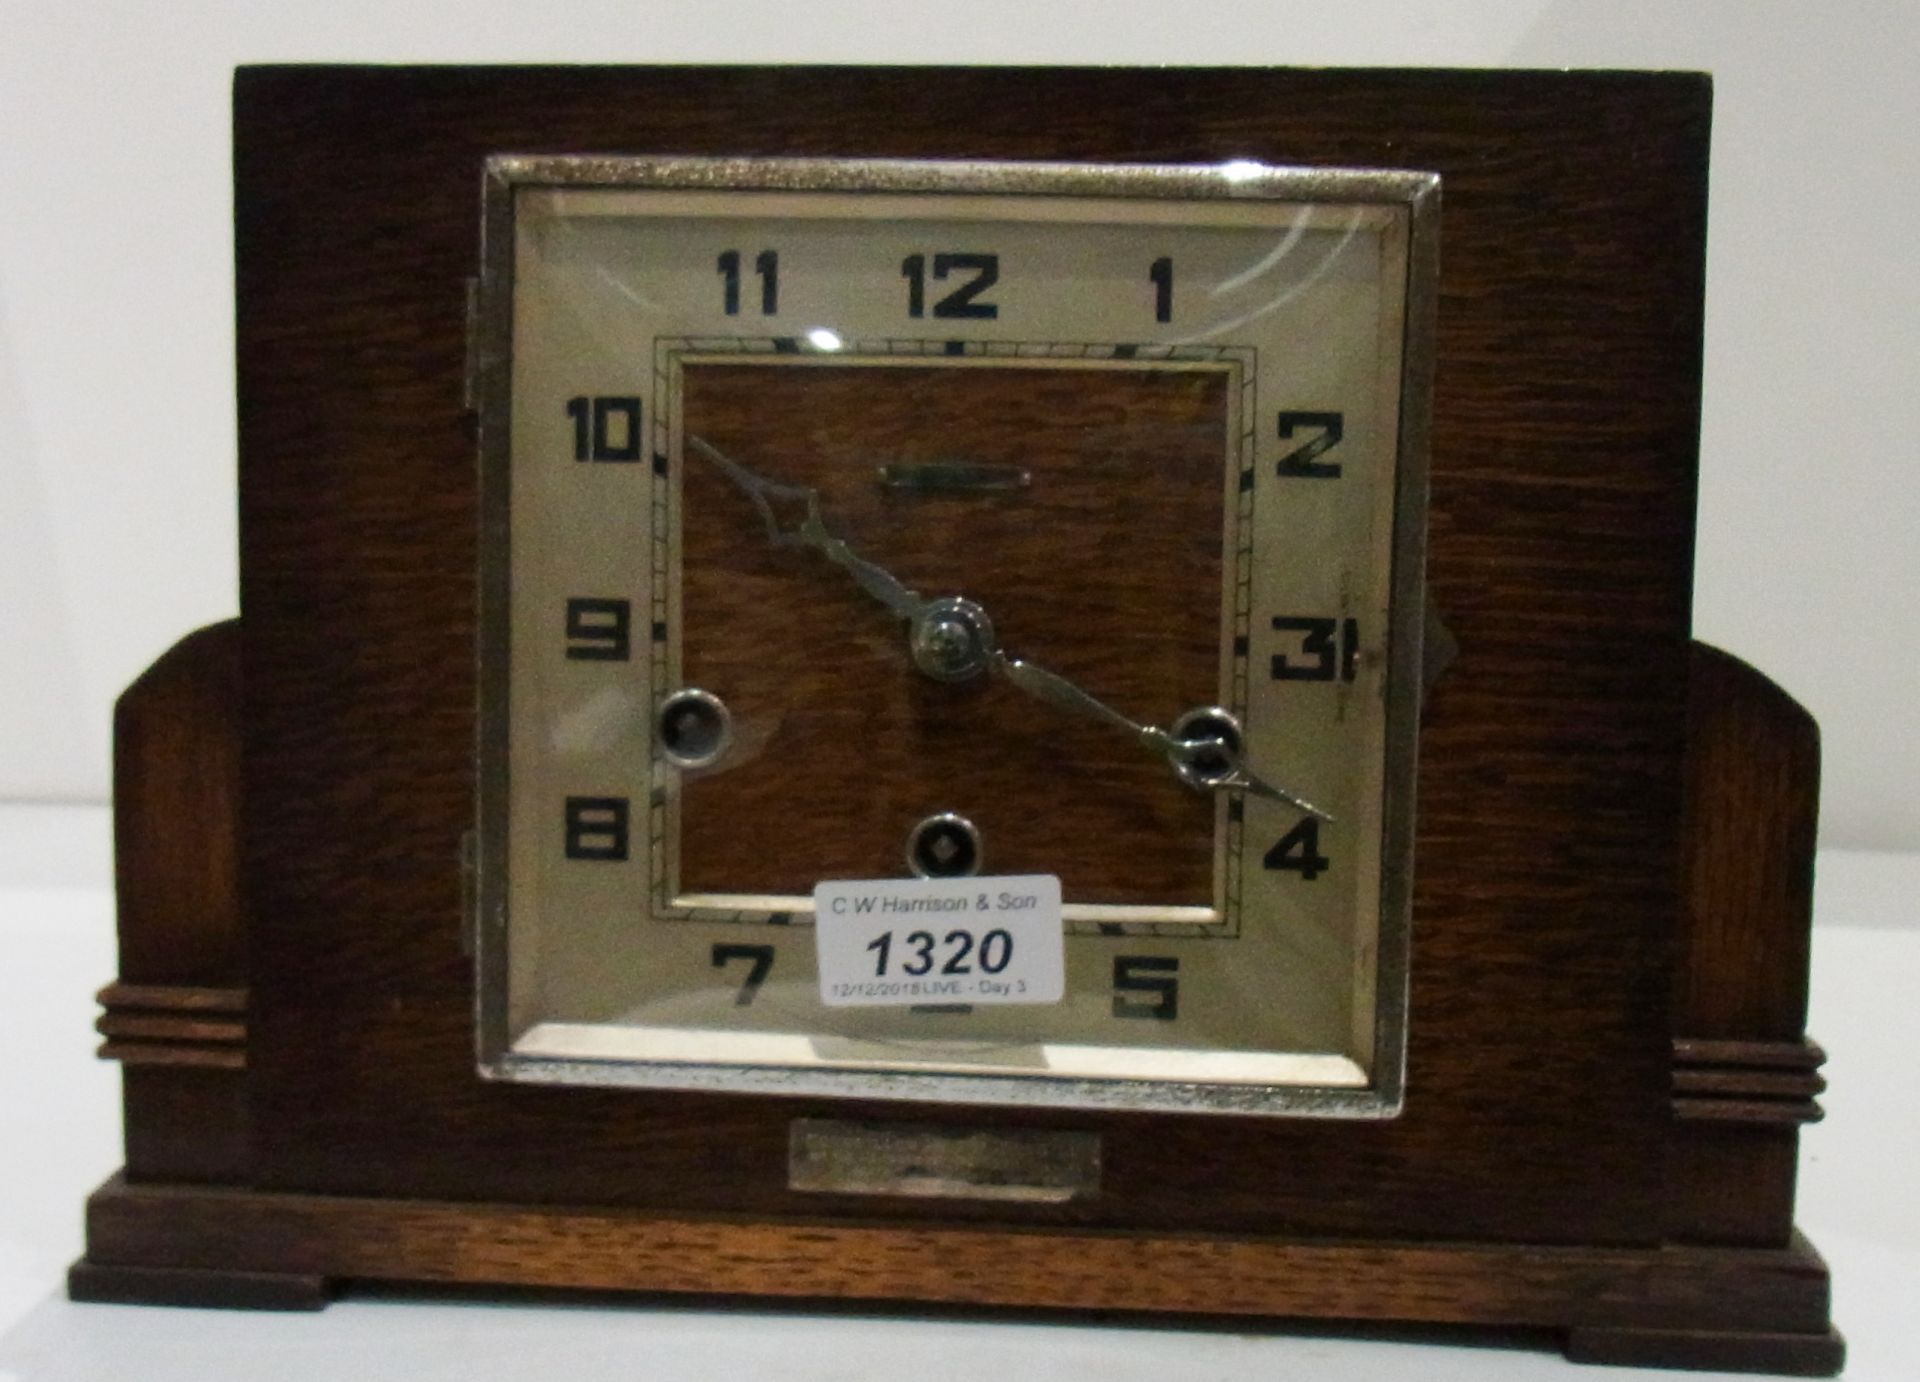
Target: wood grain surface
x=1563, y=460
x=1104, y=568
x=1781, y=1291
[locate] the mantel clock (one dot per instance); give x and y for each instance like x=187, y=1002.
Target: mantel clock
x=861, y=683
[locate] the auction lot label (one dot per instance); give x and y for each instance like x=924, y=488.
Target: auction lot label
x=907, y=942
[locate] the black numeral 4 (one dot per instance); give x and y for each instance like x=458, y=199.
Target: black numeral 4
x=1298, y=851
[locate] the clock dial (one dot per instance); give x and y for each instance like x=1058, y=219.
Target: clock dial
x=896, y=520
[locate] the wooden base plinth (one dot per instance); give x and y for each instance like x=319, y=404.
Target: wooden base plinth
x=107, y=1284
x=1759, y=1309
x=1717, y=1350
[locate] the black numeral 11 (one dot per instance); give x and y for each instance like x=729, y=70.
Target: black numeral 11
x=767, y=265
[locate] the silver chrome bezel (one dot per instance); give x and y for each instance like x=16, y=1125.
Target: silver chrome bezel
x=489, y=381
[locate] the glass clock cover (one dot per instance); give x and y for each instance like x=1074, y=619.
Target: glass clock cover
x=868, y=521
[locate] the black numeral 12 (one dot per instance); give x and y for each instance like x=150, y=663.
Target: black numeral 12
x=963, y=301
x=766, y=264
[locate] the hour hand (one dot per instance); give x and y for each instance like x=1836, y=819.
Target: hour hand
x=812, y=531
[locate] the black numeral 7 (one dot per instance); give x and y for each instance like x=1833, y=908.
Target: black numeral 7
x=761, y=962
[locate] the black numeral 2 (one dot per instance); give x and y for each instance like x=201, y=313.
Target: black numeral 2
x=1333, y=656
x=1299, y=851
x=760, y=958
x=963, y=301
x=605, y=429
x=1303, y=461
x=766, y=264
x=599, y=630
x=1154, y=974
x=597, y=828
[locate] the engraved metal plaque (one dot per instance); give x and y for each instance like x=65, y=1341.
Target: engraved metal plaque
x=831, y=1156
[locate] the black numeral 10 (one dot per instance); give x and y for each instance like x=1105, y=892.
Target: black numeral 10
x=605, y=429
x=766, y=264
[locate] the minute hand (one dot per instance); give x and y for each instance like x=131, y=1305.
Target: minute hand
x=1184, y=754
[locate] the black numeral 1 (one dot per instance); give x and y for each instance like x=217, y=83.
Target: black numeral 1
x=1299, y=851
x=596, y=437
x=599, y=630
x=760, y=962
x=1333, y=644
x=597, y=828
x=1161, y=272
x=1302, y=462
x=1154, y=974
x=766, y=264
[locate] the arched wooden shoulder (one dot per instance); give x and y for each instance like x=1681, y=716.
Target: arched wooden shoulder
x=1744, y=1075
x=176, y=1018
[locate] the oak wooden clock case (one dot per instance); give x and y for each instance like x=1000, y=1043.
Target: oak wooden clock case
x=1605, y=1064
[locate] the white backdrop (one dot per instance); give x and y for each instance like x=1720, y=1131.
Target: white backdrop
x=116, y=396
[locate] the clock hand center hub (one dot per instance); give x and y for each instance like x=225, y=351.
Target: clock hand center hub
x=951, y=639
